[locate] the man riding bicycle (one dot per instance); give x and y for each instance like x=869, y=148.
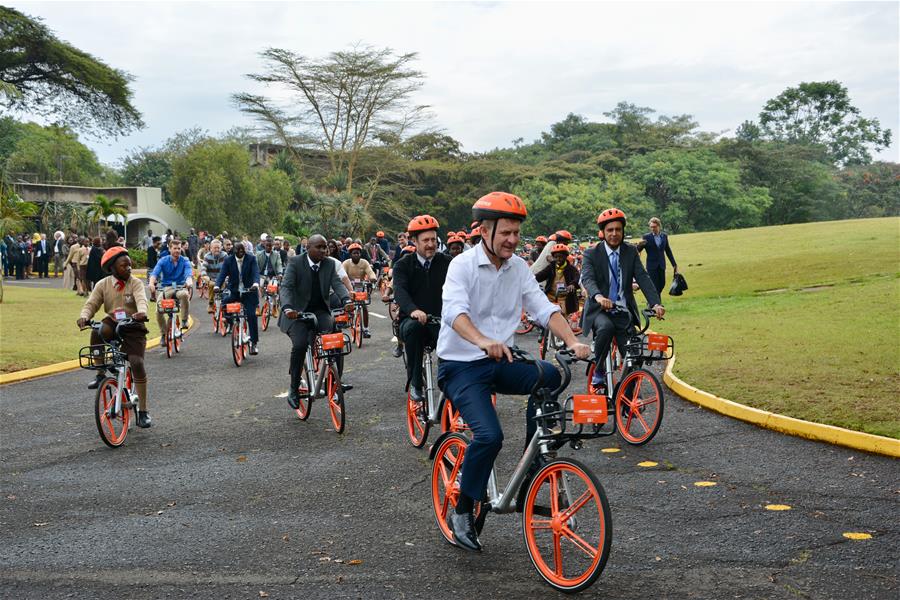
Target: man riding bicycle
x=561, y=279
x=242, y=274
x=484, y=294
x=607, y=273
x=172, y=270
x=121, y=296
x=418, y=282
x=210, y=265
x=359, y=269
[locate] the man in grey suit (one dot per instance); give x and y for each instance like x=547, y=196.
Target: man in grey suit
x=307, y=284
x=607, y=273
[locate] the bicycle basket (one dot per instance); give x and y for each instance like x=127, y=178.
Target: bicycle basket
x=360, y=296
x=589, y=409
x=98, y=357
x=166, y=305
x=342, y=321
x=233, y=308
x=651, y=346
x=272, y=288
x=333, y=344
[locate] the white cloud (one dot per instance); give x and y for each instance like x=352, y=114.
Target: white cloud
x=504, y=70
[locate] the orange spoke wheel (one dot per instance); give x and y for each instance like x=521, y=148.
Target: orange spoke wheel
x=639, y=407
x=305, y=392
x=567, y=525
x=335, y=394
x=112, y=427
x=446, y=471
x=168, y=340
x=417, y=424
x=179, y=335
x=265, y=316
x=237, y=348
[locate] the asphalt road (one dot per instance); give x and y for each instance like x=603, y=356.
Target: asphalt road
x=229, y=495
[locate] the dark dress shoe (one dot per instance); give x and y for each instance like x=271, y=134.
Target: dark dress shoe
x=366, y=334
x=96, y=382
x=416, y=394
x=397, y=351
x=293, y=399
x=143, y=420
x=346, y=387
x=464, y=533
x=253, y=350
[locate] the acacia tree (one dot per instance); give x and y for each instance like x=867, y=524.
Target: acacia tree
x=340, y=103
x=43, y=75
x=821, y=113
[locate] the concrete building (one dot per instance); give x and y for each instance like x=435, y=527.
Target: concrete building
x=146, y=210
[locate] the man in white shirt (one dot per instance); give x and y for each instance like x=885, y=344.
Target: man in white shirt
x=484, y=294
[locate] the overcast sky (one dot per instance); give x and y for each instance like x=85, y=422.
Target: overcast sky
x=499, y=71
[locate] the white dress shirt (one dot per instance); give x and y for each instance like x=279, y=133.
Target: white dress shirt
x=493, y=299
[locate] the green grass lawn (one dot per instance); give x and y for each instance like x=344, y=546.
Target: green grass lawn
x=37, y=327
x=801, y=320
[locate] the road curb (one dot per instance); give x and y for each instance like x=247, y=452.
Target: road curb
x=62, y=367
x=857, y=440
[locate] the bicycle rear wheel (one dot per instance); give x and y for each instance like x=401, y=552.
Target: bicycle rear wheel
x=417, y=423
x=215, y=318
x=567, y=525
x=639, y=407
x=264, y=317
x=112, y=428
x=335, y=398
x=446, y=471
x=237, y=348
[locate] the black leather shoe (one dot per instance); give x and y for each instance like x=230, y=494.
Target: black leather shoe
x=346, y=386
x=253, y=350
x=464, y=533
x=366, y=334
x=96, y=382
x=293, y=399
x=416, y=394
x=397, y=351
x=143, y=420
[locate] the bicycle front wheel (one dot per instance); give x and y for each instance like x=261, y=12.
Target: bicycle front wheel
x=237, y=348
x=169, y=339
x=264, y=317
x=358, y=327
x=639, y=407
x=567, y=525
x=446, y=471
x=417, y=424
x=113, y=427
x=178, y=335
x=525, y=326
x=335, y=398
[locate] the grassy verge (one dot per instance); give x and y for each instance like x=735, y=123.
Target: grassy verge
x=37, y=327
x=800, y=320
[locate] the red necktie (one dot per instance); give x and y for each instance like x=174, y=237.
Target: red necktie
x=120, y=285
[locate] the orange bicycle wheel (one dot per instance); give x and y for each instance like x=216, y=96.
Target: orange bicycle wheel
x=358, y=327
x=335, y=398
x=639, y=407
x=112, y=427
x=264, y=317
x=451, y=420
x=168, y=339
x=417, y=424
x=446, y=471
x=179, y=335
x=237, y=348
x=567, y=525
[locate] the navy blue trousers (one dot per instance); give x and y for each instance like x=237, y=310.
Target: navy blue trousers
x=470, y=385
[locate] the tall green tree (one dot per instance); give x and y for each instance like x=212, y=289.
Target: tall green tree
x=820, y=112
x=51, y=154
x=44, y=76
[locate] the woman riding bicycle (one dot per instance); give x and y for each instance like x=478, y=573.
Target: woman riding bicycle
x=121, y=296
x=561, y=279
x=484, y=294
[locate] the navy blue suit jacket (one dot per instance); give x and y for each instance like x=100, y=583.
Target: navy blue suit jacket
x=248, y=276
x=655, y=258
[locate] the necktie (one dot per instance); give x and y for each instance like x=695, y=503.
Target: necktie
x=315, y=268
x=427, y=264
x=614, y=282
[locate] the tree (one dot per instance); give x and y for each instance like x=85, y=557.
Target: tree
x=872, y=190
x=340, y=103
x=214, y=186
x=103, y=208
x=821, y=113
x=45, y=76
x=48, y=154
x=152, y=167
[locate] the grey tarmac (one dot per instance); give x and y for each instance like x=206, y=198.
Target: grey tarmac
x=229, y=495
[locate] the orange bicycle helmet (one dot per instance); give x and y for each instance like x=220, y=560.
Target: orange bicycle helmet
x=563, y=234
x=541, y=239
x=455, y=239
x=110, y=256
x=476, y=233
x=552, y=237
x=609, y=215
x=499, y=205
x=380, y=234
x=559, y=248
x=422, y=223
x=354, y=246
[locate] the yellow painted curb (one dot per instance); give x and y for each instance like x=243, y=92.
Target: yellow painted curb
x=857, y=440
x=64, y=366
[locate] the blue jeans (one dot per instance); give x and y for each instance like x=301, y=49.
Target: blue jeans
x=469, y=385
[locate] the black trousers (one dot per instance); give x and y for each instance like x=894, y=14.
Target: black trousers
x=658, y=277
x=43, y=266
x=605, y=326
x=300, y=334
x=415, y=337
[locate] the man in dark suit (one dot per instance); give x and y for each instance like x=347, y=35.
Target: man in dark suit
x=308, y=282
x=607, y=273
x=418, y=284
x=60, y=252
x=42, y=251
x=242, y=273
x=656, y=243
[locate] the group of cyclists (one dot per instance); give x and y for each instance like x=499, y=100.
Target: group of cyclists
x=464, y=297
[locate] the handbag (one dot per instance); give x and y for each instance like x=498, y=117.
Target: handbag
x=679, y=285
